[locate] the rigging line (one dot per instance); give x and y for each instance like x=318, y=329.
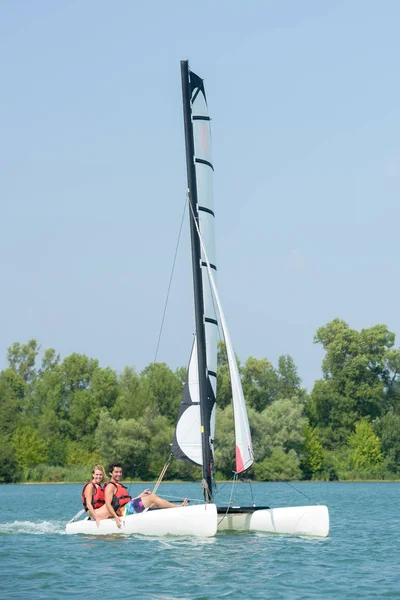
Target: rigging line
x=235, y=478
x=251, y=491
x=219, y=489
x=170, y=283
x=291, y=485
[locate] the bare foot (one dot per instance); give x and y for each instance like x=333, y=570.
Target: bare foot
x=185, y=502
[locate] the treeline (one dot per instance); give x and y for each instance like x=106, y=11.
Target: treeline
x=60, y=417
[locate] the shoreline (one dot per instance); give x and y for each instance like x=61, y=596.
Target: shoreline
x=128, y=481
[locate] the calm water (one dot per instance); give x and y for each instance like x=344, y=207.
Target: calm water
x=360, y=559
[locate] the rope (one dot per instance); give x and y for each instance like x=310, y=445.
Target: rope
x=251, y=491
x=170, y=283
x=207, y=493
x=161, y=476
x=291, y=485
x=159, y=480
x=235, y=478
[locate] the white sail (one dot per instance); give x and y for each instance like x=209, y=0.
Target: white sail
x=187, y=442
x=244, y=446
x=204, y=179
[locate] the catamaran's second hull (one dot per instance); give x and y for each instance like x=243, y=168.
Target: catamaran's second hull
x=292, y=520
x=200, y=520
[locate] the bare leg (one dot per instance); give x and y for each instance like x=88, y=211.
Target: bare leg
x=150, y=500
x=102, y=512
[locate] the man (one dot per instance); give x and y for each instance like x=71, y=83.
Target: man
x=120, y=504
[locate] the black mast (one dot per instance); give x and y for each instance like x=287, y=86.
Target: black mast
x=197, y=279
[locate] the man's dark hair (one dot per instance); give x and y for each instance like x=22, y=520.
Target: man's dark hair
x=111, y=467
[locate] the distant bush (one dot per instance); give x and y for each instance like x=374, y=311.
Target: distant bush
x=51, y=474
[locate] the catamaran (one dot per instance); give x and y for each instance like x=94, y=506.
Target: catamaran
x=195, y=430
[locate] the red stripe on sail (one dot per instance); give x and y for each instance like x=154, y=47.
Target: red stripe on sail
x=239, y=461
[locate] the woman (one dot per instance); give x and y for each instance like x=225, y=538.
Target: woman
x=93, y=494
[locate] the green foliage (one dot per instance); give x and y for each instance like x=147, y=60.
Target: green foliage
x=59, y=417
x=22, y=358
x=224, y=446
x=78, y=456
x=224, y=390
x=366, y=447
x=30, y=449
x=106, y=437
x=163, y=389
x=142, y=445
x=289, y=380
x=360, y=379
x=312, y=463
x=51, y=474
x=131, y=399
x=260, y=383
x=389, y=431
x=280, y=425
x=276, y=432
x=279, y=465
x=8, y=463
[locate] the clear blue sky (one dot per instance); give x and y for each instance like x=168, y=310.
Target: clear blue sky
x=305, y=101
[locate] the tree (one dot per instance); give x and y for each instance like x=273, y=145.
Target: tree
x=106, y=437
x=278, y=465
x=50, y=360
x=225, y=441
x=357, y=370
x=388, y=428
x=366, y=451
x=260, y=383
x=289, y=380
x=104, y=387
x=163, y=389
x=313, y=457
x=131, y=399
x=30, y=449
x=22, y=358
x=224, y=390
x=12, y=389
x=280, y=425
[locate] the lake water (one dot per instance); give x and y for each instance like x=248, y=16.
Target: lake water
x=360, y=559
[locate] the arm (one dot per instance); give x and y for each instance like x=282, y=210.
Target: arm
x=108, y=496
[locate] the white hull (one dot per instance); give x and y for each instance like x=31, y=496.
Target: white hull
x=200, y=520
x=293, y=520
x=203, y=521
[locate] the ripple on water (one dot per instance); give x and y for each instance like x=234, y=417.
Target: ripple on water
x=358, y=560
x=32, y=528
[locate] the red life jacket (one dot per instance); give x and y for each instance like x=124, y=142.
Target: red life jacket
x=121, y=496
x=97, y=498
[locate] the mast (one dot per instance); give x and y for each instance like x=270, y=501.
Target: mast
x=197, y=279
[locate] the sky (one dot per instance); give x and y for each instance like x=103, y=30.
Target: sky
x=305, y=106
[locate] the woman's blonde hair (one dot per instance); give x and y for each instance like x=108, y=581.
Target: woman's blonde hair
x=99, y=468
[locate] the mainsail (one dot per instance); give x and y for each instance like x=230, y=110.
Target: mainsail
x=194, y=434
